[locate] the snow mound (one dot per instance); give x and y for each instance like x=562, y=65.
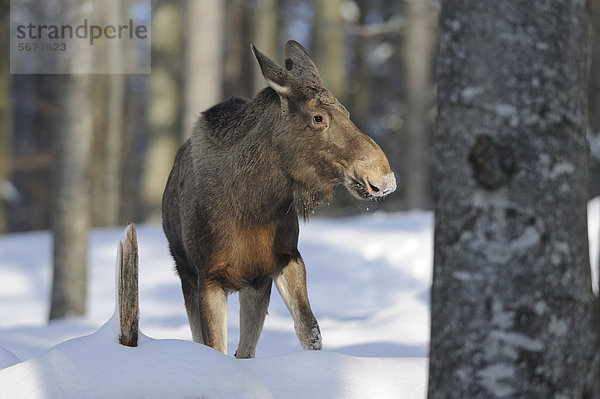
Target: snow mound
x=97, y=366
x=332, y=375
x=7, y=358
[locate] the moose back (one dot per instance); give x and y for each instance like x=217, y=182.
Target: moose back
x=238, y=185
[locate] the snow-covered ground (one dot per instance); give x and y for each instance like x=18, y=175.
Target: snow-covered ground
x=368, y=280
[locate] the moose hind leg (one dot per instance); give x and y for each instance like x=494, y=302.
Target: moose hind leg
x=254, y=303
x=213, y=312
x=191, y=297
x=291, y=283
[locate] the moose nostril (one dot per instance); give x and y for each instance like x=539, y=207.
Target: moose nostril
x=375, y=189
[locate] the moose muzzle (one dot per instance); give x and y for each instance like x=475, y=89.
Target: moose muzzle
x=371, y=177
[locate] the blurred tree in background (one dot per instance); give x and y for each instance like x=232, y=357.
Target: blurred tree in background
x=5, y=118
x=71, y=213
x=164, y=104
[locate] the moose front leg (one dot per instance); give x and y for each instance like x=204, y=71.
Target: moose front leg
x=291, y=284
x=254, y=302
x=213, y=314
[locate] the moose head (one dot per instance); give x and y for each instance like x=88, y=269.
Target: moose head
x=323, y=145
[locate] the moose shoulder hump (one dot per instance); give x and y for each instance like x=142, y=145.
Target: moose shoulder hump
x=221, y=121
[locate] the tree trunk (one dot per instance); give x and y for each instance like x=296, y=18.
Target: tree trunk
x=72, y=214
x=266, y=35
x=134, y=132
x=114, y=124
x=203, y=62
x=109, y=94
x=593, y=388
x=97, y=168
x=361, y=99
x=594, y=96
x=6, y=117
x=511, y=285
x=595, y=67
x=128, y=288
x=419, y=40
x=328, y=46
x=239, y=63
x=164, y=104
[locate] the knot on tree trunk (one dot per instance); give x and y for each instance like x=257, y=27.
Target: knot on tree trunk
x=492, y=163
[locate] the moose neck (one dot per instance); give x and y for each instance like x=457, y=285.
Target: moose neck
x=262, y=190
x=265, y=119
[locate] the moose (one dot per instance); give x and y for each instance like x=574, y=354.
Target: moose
x=238, y=186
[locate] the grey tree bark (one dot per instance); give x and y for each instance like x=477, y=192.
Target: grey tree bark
x=511, y=287
x=595, y=68
x=71, y=208
x=594, y=97
x=594, y=131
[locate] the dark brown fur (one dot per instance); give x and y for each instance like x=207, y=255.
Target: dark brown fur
x=231, y=205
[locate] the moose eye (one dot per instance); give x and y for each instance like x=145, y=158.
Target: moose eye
x=318, y=119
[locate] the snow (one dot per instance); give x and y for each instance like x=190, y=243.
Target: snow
x=7, y=358
x=96, y=366
x=368, y=280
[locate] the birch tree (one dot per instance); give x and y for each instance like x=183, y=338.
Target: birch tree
x=109, y=127
x=360, y=93
x=511, y=287
x=71, y=210
x=419, y=41
x=328, y=45
x=203, y=64
x=238, y=61
x=164, y=104
x=266, y=34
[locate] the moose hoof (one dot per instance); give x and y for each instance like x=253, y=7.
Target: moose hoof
x=314, y=341
x=243, y=355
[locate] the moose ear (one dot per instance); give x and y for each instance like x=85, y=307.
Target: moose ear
x=298, y=63
x=275, y=76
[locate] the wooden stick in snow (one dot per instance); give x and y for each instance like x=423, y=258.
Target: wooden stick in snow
x=128, y=288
